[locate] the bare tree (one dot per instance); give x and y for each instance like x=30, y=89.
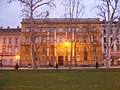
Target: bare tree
x=109, y=11
x=30, y=9
x=74, y=10
x=94, y=35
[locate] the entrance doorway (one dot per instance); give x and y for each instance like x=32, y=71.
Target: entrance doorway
x=60, y=60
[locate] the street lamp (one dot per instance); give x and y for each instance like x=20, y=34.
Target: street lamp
x=66, y=46
x=17, y=57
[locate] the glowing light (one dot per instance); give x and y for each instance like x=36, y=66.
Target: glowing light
x=17, y=57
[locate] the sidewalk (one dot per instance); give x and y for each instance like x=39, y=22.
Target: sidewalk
x=52, y=68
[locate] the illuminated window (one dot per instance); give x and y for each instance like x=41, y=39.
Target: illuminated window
x=16, y=49
x=9, y=49
x=36, y=39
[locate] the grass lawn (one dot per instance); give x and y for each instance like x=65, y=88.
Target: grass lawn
x=100, y=79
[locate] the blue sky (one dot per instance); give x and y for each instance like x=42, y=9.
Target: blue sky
x=11, y=15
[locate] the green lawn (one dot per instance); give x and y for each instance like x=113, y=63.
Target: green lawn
x=100, y=79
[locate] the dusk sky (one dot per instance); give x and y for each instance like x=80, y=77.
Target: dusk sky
x=11, y=15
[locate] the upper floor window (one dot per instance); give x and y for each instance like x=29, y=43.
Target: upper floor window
x=16, y=50
x=43, y=49
x=44, y=39
x=94, y=39
x=9, y=40
x=36, y=39
x=69, y=29
x=77, y=29
x=27, y=29
x=104, y=31
x=16, y=40
x=27, y=39
x=85, y=40
x=118, y=47
x=51, y=40
x=4, y=40
x=117, y=40
x=105, y=40
x=111, y=31
x=9, y=49
x=26, y=49
x=94, y=29
x=61, y=30
x=104, y=48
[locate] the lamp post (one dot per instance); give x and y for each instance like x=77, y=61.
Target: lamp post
x=66, y=47
x=17, y=58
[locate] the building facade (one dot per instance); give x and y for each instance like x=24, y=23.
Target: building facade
x=115, y=49
x=9, y=46
x=54, y=37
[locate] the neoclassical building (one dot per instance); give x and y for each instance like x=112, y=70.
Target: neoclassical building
x=9, y=46
x=55, y=35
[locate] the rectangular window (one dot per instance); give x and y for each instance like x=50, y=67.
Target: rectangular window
x=9, y=40
x=3, y=49
x=27, y=39
x=44, y=39
x=51, y=40
x=9, y=49
x=104, y=31
x=16, y=40
x=69, y=29
x=52, y=49
x=94, y=40
x=43, y=49
x=4, y=40
x=36, y=39
x=26, y=49
x=85, y=57
x=118, y=47
x=27, y=29
x=85, y=40
x=61, y=30
x=104, y=48
x=105, y=40
x=77, y=29
x=16, y=49
x=117, y=40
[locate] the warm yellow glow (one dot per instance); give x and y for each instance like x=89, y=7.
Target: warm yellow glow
x=17, y=57
x=66, y=44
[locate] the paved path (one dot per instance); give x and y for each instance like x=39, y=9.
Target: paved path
x=52, y=68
